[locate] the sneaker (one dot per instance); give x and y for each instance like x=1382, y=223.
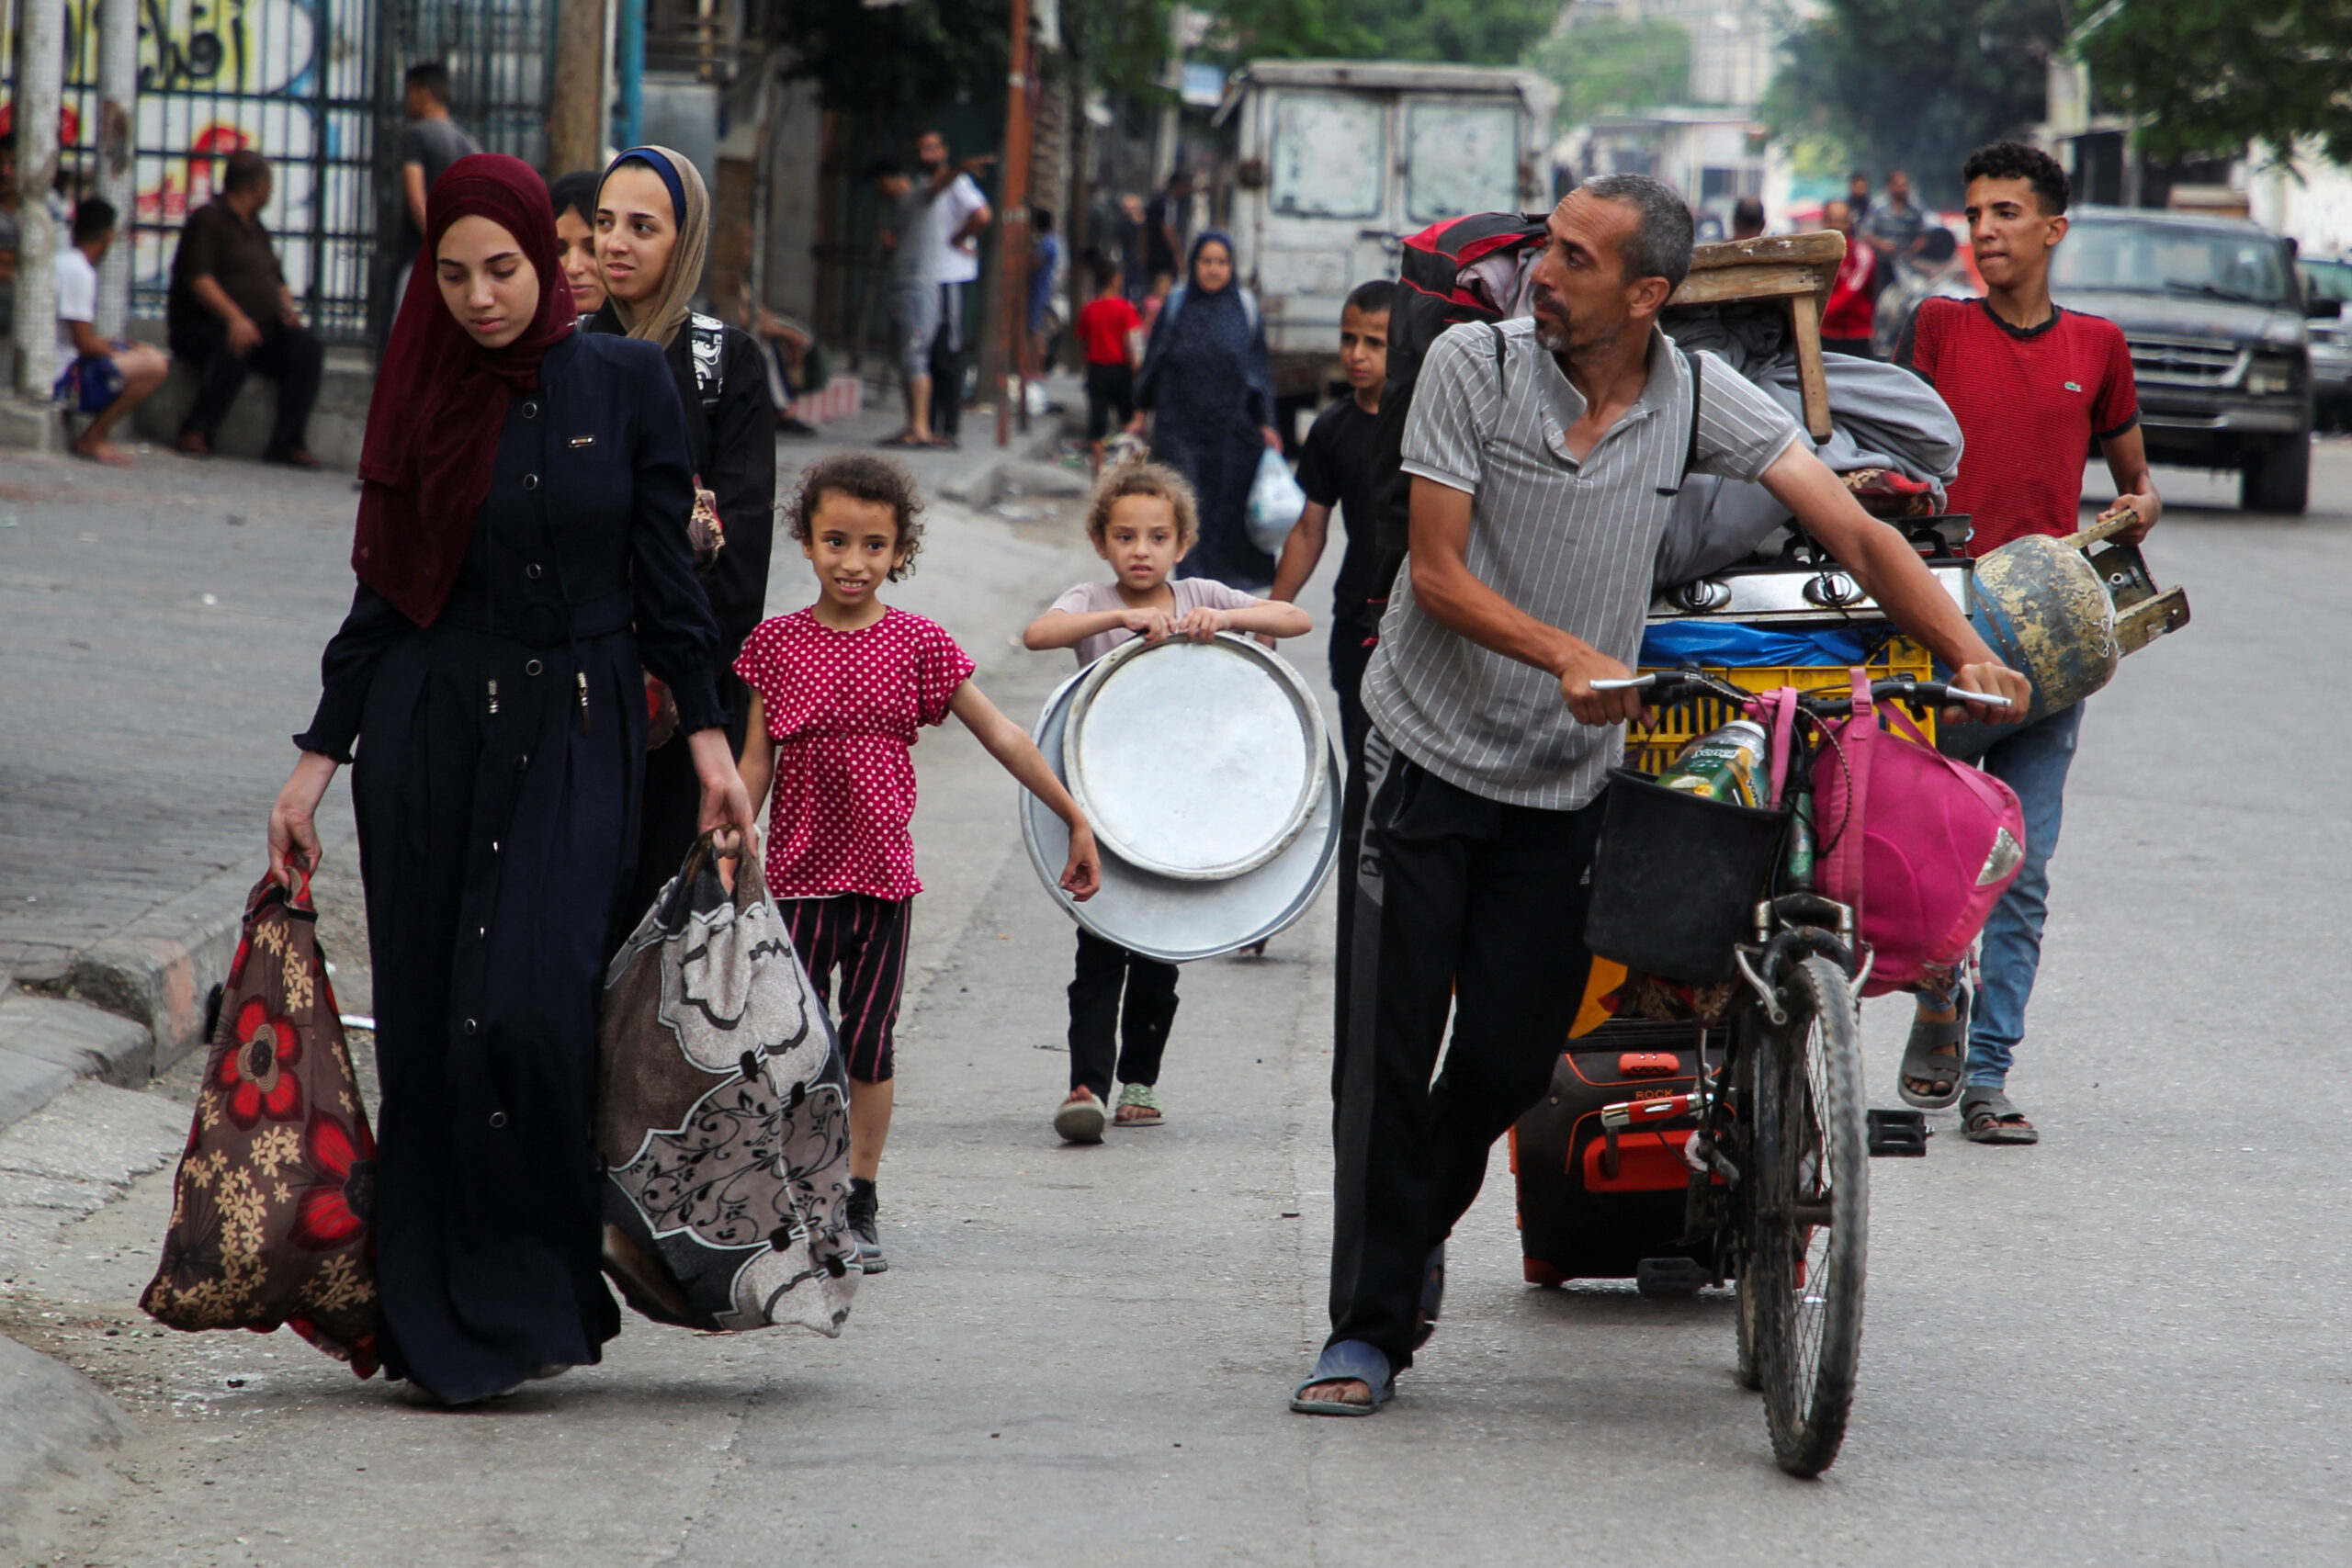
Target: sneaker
x=863, y=1202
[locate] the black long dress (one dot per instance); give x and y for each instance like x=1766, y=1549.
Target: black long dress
x=733, y=435
x=501, y=759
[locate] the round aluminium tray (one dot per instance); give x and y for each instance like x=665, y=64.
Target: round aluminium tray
x=1198, y=760
x=1178, y=918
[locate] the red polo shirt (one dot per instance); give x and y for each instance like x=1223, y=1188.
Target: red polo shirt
x=2030, y=402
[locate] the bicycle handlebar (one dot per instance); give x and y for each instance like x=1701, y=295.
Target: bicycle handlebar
x=1686, y=686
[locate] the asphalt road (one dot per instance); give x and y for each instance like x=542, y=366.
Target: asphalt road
x=2130, y=1344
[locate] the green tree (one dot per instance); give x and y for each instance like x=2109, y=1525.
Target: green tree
x=899, y=58
x=1914, y=85
x=1609, y=65
x=2209, y=76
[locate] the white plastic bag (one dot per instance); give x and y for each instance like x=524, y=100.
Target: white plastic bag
x=1275, y=502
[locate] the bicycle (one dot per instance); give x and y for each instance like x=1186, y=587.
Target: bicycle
x=1780, y=1188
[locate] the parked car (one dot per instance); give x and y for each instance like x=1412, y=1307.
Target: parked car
x=2327, y=283
x=2213, y=311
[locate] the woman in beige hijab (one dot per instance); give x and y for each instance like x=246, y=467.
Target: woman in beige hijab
x=652, y=237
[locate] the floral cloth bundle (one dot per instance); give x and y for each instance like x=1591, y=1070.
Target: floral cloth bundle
x=272, y=1206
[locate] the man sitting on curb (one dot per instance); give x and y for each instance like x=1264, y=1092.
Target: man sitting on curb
x=104, y=380
x=229, y=312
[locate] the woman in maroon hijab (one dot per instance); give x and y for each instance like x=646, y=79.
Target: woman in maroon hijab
x=522, y=555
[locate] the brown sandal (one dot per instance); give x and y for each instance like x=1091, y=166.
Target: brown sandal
x=1986, y=1116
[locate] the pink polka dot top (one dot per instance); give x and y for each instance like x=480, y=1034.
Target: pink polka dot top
x=842, y=708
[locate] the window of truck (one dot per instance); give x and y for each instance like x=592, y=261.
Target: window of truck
x=1460, y=158
x=1328, y=156
x=2167, y=258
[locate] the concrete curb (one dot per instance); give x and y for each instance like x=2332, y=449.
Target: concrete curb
x=1024, y=458
x=46, y=1044
x=159, y=968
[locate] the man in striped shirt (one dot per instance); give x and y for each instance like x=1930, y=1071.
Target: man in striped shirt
x=1545, y=457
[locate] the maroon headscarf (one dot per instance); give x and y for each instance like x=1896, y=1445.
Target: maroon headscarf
x=440, y=399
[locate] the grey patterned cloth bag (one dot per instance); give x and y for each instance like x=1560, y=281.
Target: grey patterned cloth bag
x=723, y=1121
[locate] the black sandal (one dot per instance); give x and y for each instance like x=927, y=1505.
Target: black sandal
x=1986, y=1116
x=1936, y=1053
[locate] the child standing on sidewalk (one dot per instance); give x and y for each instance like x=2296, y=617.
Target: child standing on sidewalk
x=1112, y=335
x=1142, y=520
x=839, y=690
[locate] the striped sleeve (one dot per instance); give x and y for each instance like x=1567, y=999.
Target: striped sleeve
x=1452, y=400
x=1741, y=430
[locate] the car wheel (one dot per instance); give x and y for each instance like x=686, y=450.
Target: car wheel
x=2277, y=478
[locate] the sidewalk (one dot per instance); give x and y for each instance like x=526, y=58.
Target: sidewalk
x=160, y=630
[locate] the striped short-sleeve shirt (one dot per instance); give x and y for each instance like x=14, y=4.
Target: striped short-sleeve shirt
x=1572, y=544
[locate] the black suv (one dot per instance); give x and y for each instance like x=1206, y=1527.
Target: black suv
x=2213, y=311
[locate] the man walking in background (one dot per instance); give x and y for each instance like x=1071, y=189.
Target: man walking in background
x=1858, y=194
x=1747, y=218
x=1165, y=218
x=2032, y=387
x=1896, y=229
x=962, y=212
x=229, y=312
x=430, y=143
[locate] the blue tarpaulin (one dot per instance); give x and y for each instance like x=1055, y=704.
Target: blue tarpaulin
x=1728, y=644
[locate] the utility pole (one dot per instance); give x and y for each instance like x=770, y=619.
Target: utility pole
x=576, y=101
x=40, y=88
x=118, y=138
x=1012, y=250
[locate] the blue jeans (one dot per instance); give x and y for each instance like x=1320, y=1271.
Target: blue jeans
x=2033, y=761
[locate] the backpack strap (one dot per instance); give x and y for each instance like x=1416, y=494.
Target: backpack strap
x=1691, y=445
x=1170, y=308
x=1249, y=308
x=1502, y=360
x=706, y=346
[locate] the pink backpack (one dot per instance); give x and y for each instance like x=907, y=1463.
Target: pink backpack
x=1920, y=846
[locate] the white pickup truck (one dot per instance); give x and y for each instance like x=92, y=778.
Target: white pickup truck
x=1335, y=160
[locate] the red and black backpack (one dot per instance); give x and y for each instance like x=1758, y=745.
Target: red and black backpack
x=1434, y=290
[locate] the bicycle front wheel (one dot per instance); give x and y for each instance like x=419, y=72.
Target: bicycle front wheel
x=1811, y=1217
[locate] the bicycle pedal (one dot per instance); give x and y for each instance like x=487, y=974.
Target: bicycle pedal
x=1898, y=1134
x=1669, y=1277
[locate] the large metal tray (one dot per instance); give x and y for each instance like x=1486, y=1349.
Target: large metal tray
x=1198, y=760
x=1179, y=918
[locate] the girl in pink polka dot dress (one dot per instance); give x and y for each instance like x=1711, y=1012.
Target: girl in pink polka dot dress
x=839, y=690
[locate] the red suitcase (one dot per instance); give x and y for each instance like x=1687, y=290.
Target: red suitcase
x=1598, y=1205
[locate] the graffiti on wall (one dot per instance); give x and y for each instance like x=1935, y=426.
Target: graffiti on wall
x=215, y=77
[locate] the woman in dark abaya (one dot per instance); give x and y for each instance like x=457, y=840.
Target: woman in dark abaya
x=652, y=238
x=522, y=555
x=1210, y=388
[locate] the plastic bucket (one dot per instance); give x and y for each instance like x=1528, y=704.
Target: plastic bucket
x=1677, y=878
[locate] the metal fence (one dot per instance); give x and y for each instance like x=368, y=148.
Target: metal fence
x=314, y=85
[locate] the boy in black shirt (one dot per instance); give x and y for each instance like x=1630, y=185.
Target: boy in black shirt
x=1335, y=468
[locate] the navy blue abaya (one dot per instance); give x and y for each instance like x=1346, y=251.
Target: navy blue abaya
x=501, y=764
x=1209, y=384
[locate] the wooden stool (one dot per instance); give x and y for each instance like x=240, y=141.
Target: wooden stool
x=1798, y=268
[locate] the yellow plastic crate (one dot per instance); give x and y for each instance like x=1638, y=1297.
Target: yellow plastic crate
x=1651, y=749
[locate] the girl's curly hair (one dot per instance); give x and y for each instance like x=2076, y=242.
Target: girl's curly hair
x=1144, y=478
x=860, y=476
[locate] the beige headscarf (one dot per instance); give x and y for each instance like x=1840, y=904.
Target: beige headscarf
x=661, y=316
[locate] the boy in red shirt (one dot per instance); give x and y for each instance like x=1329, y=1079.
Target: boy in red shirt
x=1109, y=328
x=2032, y=387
